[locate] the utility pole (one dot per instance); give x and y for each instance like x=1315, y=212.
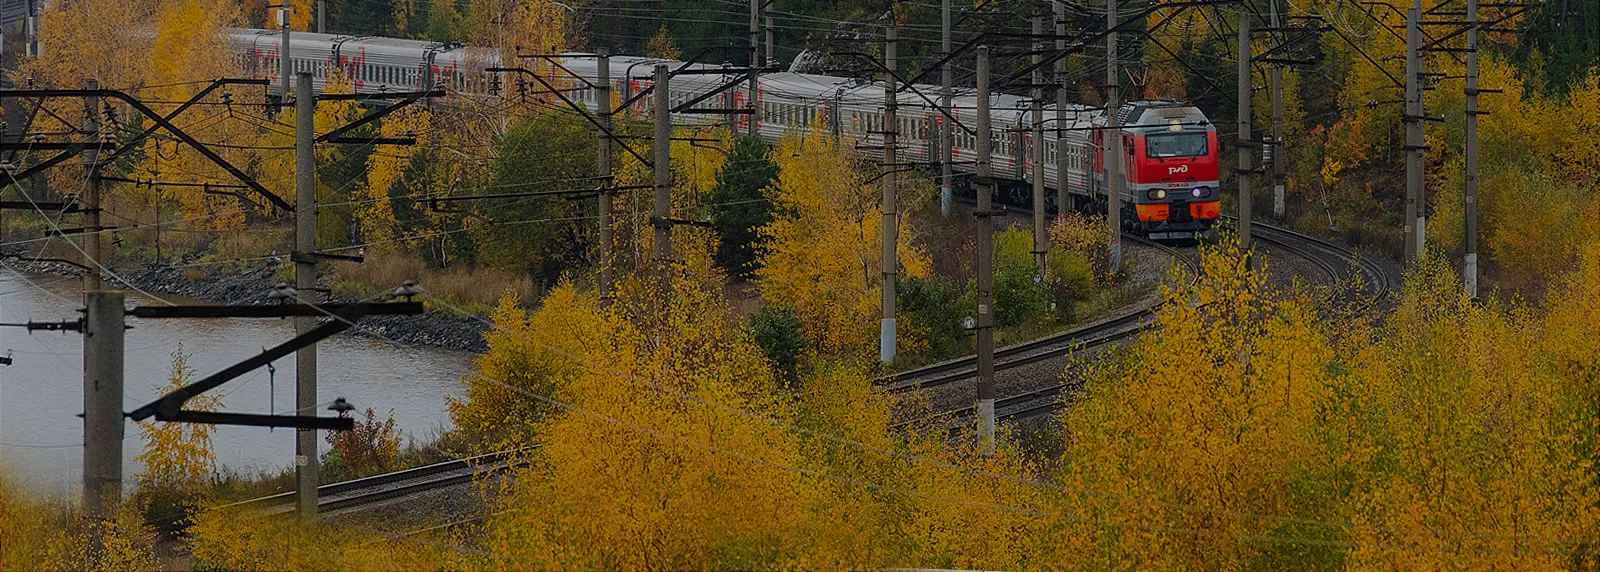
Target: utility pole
x=322, y=16
x=755, y=55
x=663, y=184
x=766, y=7
x=985, y=322
x=1275, y=172
x=1063, y=200
x=30, y=29
x=1245, y=148
x=1036, y=155
x=947, y=194
x=91, y=162
x=306, y=474
x=284, y=69
x=891, y=220
x=102, y=410
x=603, y=96
x=1469, y=267
x=1415, y=219
x=1111, y=148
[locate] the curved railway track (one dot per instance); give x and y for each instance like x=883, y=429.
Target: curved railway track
x=1048, y=347
x=1327, y=256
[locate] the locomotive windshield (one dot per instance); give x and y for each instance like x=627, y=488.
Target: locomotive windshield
x=1175, y=145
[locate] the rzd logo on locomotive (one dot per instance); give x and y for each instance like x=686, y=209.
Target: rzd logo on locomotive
x=1177, y=169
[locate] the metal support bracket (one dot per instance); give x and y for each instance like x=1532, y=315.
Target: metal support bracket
x=316, y=257
x=258, y=420
x=273, y=310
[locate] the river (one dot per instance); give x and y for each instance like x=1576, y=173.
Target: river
x=41, y=395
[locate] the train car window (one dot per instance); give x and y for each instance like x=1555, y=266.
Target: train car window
x=1175, y=145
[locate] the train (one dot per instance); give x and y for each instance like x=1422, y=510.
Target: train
x=1170, y=153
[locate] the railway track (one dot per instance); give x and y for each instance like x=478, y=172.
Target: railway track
x=1048, y=347
x=1326, y=256
x=1330, y=257
x=378, y=488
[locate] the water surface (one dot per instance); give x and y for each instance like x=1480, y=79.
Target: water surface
x=41, y=394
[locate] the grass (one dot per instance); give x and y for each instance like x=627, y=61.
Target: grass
x=475, y=290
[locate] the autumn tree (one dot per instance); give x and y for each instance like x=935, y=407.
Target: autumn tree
x=513, y=27
x=190, y=49
x=179, y=462
x=386, y=186
x=536, y=234
x=823, y=253
x=661, y=45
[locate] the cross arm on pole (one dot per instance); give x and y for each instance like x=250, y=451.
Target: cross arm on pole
x=271, y=310
x=168, y=407
x=9, y=178
x=1433, y=44
x=257, y=420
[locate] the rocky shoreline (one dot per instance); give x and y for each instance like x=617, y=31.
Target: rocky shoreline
x=249, y=284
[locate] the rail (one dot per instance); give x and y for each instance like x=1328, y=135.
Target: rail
x=377, y=488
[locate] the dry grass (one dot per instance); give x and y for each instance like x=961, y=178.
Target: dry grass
x=476, y=290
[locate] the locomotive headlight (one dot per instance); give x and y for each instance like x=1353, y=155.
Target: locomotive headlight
x=1157, y=194
x=1200, y=192
x=1174, y=125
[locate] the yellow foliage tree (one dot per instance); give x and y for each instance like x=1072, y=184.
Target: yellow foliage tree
x=82, y=39
x=1204, y=428
x=661, y=45
x=514, y=27
x=1478, y=455
x=384, y=170
x=823, y=257
x=178, y=457
x=662, y=422
x=189, y=51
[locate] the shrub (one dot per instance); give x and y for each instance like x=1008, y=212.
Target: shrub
x=934, y=303
x=1018, y=296
x=369, y=448
x=777, y=332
